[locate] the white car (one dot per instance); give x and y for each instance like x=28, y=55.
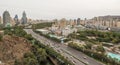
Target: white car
x=84, y=57
x=87, y=63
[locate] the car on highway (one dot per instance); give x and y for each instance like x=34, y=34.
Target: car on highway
x=87, y=63
x=84, y=57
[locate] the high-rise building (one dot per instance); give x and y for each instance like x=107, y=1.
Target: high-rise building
x=75, y=22
x=85, y=21
x=6, y=19
x=16, y=20
x=63, y=23
x=78, y=21
x=24, y=18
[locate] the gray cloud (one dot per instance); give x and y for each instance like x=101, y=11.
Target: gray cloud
x=50, y=9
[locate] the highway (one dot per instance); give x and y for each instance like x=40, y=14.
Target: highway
x=77, y=57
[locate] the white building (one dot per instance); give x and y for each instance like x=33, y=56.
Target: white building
x=67, y=31
x=43, y=31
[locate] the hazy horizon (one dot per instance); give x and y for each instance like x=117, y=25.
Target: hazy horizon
x=51, y=9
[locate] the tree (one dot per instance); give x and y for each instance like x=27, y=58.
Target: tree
x=18, y=62
x=1, y=37
x=100, y=48
x=88, y=45
x=29, y=54
x=7, y=31
x=41, y=55
x=42, y=25
x=29, y=36
x=30, y=61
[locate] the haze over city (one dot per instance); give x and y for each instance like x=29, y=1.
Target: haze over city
x=51, y=9
x=59, y=32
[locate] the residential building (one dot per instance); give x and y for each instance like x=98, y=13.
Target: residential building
x=78, y=21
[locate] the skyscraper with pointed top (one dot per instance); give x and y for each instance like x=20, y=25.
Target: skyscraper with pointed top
x=6, y=18
x=24, y=18
x=16, y=20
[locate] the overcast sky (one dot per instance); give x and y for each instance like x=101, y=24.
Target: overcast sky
x=50, y=9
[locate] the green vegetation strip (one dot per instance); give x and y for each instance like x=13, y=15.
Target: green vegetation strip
x=42, y=25
x=101, y=57
x=99, y=36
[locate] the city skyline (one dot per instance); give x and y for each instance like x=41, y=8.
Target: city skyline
x=38, y=9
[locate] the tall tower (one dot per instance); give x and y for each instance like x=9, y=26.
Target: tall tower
x=16, y=20
x=24, y=18
x=6, y=18
x=75, y=22
x=78, y=21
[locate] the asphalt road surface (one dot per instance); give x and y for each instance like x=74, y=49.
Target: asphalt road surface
x=77, y=57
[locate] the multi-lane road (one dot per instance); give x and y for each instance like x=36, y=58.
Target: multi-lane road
x=77, y=57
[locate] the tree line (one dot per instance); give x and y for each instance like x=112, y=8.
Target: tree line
x=39, y=54
x=99, y=56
